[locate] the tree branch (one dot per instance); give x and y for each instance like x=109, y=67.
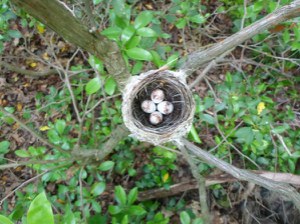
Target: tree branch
x=281, y=188
x=212, y=180
x=198, y=58
x=200, y=182
x=32, y=74
x=56, y=16
x=115, y=137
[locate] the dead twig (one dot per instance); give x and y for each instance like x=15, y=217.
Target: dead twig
x=32, y=74
x=212, y=180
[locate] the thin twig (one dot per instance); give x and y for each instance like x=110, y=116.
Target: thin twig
x=31, y=162
x=245, y=14
x=90, y=15
x=67, y=81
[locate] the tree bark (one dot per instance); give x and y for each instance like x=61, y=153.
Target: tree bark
x=57, y=17
x=198, y=58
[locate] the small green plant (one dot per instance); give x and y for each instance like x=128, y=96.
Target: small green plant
x=125, y=211
x=185, y=218
x=4, y=148
x=39, y=211
x=6, y=33
x=158, y=172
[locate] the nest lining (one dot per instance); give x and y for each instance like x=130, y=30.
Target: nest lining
x=173, y=93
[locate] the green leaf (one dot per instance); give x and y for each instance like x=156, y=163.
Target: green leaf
x=127, y=33
x=146, y=32
x=292, y=165
x=60, y=126
x=22, y=153
x=263, y=161
x=96, y=2
x=98, y=188
x=120, y=195
x=157, y=59
x=110, y=86
x=14, y=33
x=172, y=60
x=1, y=46
x=245, y=134
x=112, y=32
x=139, y=54
x=133, y=42
x=107, y=165
x=198, y=221
x=119, y=7
x=180, y=23
x=295, y=46
x=40, y=211
x=280, y=129
x=137, y=68
x=194, y=135
x=4, y=145
x=185, y=218
x=125, y=220
x=207, y=118
x=132, y=196
x=4, y=220
x=114, y=209
x=197, y=19
x=143, y=19
x=93, y=85
x=96, y=63
x=136, y=210
x=53, y=136
x=228, y=77
x=286, y=36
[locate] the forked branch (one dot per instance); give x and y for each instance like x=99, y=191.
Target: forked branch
x=279, y=187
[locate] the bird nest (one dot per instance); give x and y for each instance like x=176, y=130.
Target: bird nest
x=173, y=125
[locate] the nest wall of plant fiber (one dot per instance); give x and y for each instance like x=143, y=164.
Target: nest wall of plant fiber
x=174, y=125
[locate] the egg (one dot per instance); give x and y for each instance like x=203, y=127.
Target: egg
x=165, y=107
x=157, y=96
x=148, y=106
x=156, y=118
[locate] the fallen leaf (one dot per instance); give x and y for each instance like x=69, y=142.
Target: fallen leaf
x=19, y=107
x=41, y=28
x=33, y=64
x=44, y=128
x=165, y=177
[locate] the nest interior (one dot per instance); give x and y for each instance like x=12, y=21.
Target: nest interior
x=175, y=92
